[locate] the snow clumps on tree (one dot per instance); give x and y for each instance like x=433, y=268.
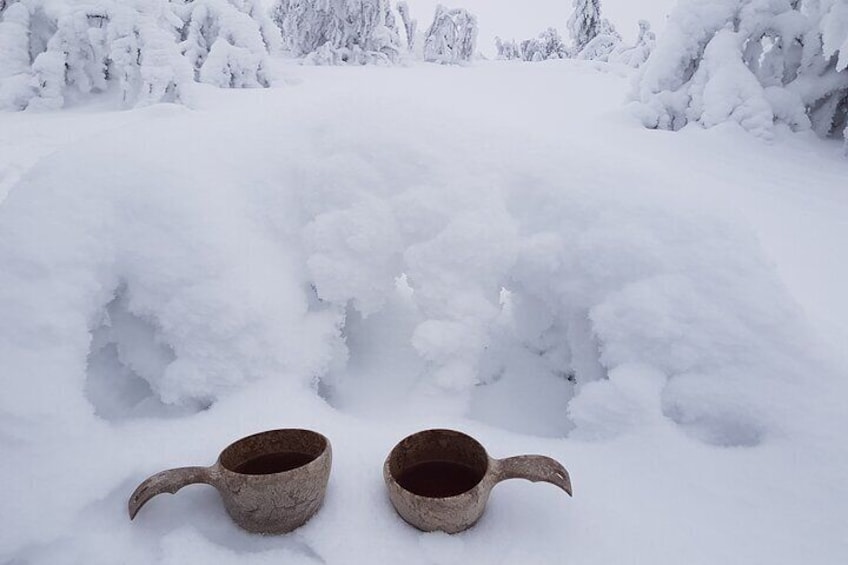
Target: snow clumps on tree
x=755, y=62
x=603, y=45
x=593, y=37
x=58, y=51
x=452, y=37
x=636, y=55
x=584, y=23
x=81, y=47
x=15, y=73
x=548, y=45
x=339, y=31
x=228, y=42
x=410, y=25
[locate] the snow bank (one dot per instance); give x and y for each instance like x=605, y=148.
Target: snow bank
x=244, y=270
x=268, y=261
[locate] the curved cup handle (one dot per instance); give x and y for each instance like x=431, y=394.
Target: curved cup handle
x=534, y=468
x=170, y=481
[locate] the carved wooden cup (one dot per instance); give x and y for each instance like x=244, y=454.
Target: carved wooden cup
x=271, y=482
x=441, y=479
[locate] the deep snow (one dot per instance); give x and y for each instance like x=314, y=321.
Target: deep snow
x=443, y=247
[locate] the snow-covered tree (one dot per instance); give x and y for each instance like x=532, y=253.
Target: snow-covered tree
x=636, y=55
x=603, y=45
x=507, y=50
x=228, y=41
x=410, y=25
x=548, y=45
x=452, y=37
x=152, y=50
x=339, y=31
x=584, y=23
x=15, y=78
x=144, y=53
x=753, y=62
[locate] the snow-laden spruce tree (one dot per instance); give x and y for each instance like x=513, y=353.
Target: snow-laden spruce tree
x=339, y=31
x=143, y=56
x=228, y=41
x=584, y=24
x=548, y=45
x=508, y=50
x=410, y=25
x=452, y=37
x=79, y=47
x=592, y=37
x=148, y=49
x=636, y=55
x=753, y=62
x=16, y=88
x=603, y=45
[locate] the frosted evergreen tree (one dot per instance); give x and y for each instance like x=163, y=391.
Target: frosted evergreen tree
x=410, y=25
x=48, y=71
x=145, y=58
x=339, y=31
x=603, y=45
x=15, y=77
x=754, y=62
x=78, y=48
x=548, y=45
x=228, y=42
x=452, y=37
x=636, y=55
x=507, y=50
x=584, y=23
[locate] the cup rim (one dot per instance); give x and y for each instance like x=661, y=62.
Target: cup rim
x=434, y=431
x=321, y=437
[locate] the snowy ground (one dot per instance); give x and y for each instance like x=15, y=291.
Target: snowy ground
x=370, y=251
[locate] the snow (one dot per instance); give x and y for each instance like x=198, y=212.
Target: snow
x=372, y=251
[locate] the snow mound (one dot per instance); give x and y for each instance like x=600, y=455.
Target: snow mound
x=190, y=280
x=327, y=257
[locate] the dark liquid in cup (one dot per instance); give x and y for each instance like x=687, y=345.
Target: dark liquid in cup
x=274, y=463
x=439, y=479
